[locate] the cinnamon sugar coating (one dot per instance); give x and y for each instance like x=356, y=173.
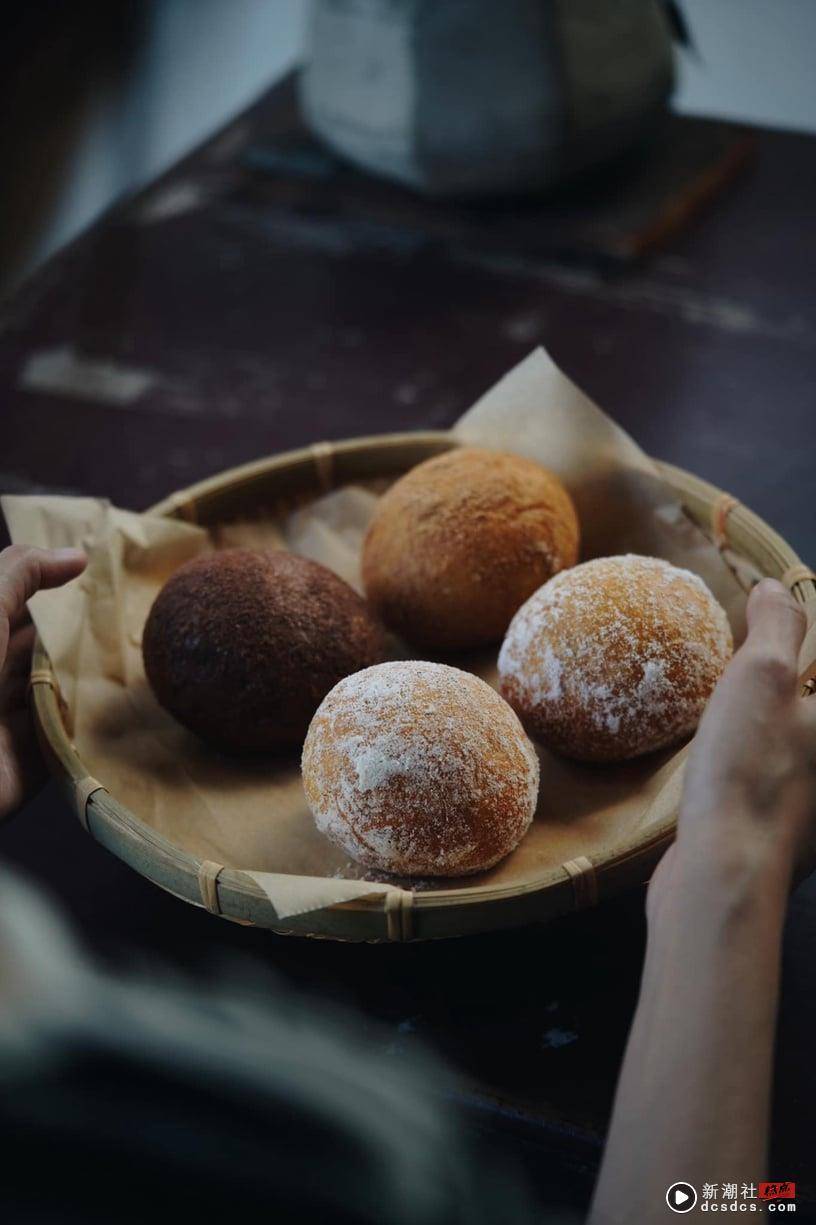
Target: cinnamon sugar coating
x=461, y=541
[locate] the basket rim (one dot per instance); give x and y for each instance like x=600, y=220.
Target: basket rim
x=634, y=854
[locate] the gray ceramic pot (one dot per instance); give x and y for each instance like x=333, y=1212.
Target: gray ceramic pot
x=474, y=97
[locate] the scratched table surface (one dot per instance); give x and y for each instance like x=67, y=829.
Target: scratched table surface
x=206, y=322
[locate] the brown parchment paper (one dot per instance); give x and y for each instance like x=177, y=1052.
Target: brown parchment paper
x=252, y=815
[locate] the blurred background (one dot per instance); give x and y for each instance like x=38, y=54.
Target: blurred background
x=98, y=99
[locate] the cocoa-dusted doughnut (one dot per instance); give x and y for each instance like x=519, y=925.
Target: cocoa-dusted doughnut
x=241, y=646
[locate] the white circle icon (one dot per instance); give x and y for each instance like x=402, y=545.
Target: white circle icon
x=681, y=1197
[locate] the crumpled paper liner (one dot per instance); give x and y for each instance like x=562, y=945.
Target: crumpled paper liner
x=251, y=814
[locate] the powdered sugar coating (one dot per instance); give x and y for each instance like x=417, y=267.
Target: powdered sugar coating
x=615, y=657
x=419, y=769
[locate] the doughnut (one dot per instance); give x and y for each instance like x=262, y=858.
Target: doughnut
x=241, y=646
x=615, y=658
x=461, y=541
x=419, y=769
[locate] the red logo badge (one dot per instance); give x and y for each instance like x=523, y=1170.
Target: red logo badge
x=777, y=1190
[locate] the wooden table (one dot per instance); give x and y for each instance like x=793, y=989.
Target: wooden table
x=257, y=325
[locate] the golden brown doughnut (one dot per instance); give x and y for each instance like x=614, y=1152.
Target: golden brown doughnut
x=460, y=541
x=420, y=769
x=615, y=657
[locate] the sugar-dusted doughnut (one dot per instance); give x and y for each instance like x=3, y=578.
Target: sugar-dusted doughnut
x=615, y=657
x=420, y=769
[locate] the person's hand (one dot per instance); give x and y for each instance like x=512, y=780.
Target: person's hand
x=703, y=1035
x=749, y=799
x=23, y=572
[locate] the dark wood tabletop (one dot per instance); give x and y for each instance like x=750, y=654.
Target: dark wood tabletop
x=236, y=308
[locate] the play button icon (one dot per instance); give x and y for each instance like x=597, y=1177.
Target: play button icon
x=681, y=1197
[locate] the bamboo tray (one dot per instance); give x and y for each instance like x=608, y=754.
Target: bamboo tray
x=400, y=914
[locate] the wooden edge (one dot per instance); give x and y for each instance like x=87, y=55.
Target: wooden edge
x=395, y=452
x=746, y=532
x=476, y=908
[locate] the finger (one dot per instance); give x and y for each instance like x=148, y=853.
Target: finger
x=13, y=694
x=15, y=670
x=18, y=653
x=23, y=617
x=763, y=672
x=18, y=746
x=24, y=571
x=808, y=718
x=776, y=623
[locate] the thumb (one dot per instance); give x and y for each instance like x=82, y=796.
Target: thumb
x=776, y=623
x=24, y=571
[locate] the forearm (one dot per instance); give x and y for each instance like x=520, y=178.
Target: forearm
x=693, y=1098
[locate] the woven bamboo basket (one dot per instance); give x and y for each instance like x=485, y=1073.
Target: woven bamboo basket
x=400, y=914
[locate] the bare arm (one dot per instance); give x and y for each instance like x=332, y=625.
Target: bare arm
x=693, y=1098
